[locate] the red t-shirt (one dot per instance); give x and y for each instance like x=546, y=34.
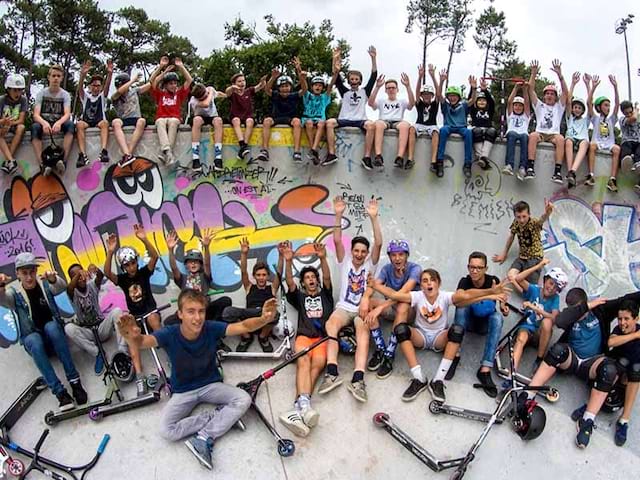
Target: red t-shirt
x=168, y=105
x=242, y=105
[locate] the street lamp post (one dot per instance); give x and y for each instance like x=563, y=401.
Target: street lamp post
x=621, y=29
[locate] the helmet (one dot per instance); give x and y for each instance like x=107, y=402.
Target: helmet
x=318, y=79
x=483, y=308
x=532, y=425
x=193, y=254
x=558, y=276
x=126, y=255
x=518, y=100
x=550, y=88
x=14, y=81
x=398, y=246
x=121, y=79
x=427, y=89
x=580, y=101
x=170, y=77
x=598, y=101
x=122, y=366
x=615, y=399
x=51, y=155
x=284, y=79
x=347, y=340
x=481, y=94
x=454, y=91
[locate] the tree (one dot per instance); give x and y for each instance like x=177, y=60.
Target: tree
x=430, y=16
x=459, y=22
x=490, y=36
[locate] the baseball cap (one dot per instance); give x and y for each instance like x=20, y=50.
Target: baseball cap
x=26, y=259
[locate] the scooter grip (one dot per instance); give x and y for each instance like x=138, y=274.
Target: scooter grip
x=103, y=443
x=41, y=440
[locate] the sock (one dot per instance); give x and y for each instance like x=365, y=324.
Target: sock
x=589, y=416
x=217, y=149
x=390, y=352
x=332, y=369
x=623, y=421
x=195, y=150
x=358, y=376
x=557, y=168
x=416, y=372
x=443, y=369
x=376, y=333
x=104, y=150
x=242, y=143
x=303, y=402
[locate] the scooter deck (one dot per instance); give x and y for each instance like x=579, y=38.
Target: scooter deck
x=21, y=404
x=455, y=411
x=126, y=405
x=53, y=418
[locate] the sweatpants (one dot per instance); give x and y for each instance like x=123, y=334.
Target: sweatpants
x=83, y=336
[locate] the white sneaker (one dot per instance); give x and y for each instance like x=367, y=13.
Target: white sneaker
x=507, y=170
x=293, y=421
x=522, y=172
x=170, y=158
x=310, y=417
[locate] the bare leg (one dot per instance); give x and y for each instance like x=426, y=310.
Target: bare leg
x=629, y=399
x=362, y=348
x=331, y=125
x=615, y=160
x=303, y=375
x=66, y=144
x=237, y=128
x=297, y=133
x=403, y=138
x=17, y=138
x=120, y=138
x=412, y=142
x=319, y=133
x=379, y=126
x=308, y=127
x=137, y=135
x=103, y=125
x=435, y=136
x=248, y=130
x=368, y=138
x=82, y=136
x=546, y=330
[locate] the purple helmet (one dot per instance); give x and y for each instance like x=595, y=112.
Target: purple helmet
x=398, y=246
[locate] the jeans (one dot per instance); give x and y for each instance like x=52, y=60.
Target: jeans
x=36, y=345
x=490, y=326
x=238, y=314
x=512, y=139
x=215, y=308
x=467, y=135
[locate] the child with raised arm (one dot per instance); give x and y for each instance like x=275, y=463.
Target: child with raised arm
x=313, y=300
x=391, y=115
x=13, y=111
x=135, y=282
x=577, y=134
x=427, y=110
x=484, y=133
x=203, y=108
x=241, y=113
x=549, y=112
x=518, y=119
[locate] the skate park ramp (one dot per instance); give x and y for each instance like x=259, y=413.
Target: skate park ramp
x=592, y=235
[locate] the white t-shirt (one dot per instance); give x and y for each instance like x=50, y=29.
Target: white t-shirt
x=432, y=316
x=548, y=118
x=603, y=131
x=208, y=111
x=578, y=128
x=354, y=105
x=518, y=123
x=391, y=110
x=353, y=282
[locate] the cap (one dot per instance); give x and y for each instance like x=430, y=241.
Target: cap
x=26, y=259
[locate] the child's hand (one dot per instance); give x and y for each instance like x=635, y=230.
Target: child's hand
x=275, y=73
x=372, y=52
x=207, y=236
x=545, y=261
x=575, y=78
x=372, y=207
x=548, y=207
x=110, y=66
x=431, y=69
x=421, y=71
x=443, y=75
x=269, y=309
x=613, y=81
x=499, y=258
x=172, y=240
x=535, y=68
x=339, y=206
x=244, y=246
x=178, y=62
x=128, y=327
x=556, y=67
x=4, y=279
x=93, y=270
x=473, y=82
x=404, y=79
x=380, y=81
x=139, y=231
x=296, y=63
x=112, y=243
x=50, y=276
x=164, y=61
x=320, y=249
x=86, y=66
x=285, y=250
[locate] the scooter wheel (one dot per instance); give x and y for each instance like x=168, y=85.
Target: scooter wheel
x=166, y=391
x=288, y=355
x=552, y=395
x=380, y=419
x=152, y=381
x=435, y=407
x=286, y=447
x=50, y=418
x=95, y=415
x=16, y=467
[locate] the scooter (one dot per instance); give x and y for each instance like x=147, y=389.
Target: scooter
x=18, y=408
x=8, y=464
x=286, y=447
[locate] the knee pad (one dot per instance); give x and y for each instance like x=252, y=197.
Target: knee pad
x=606, y=375
x=455, y=333
x=403, y=332
x=557, y=354
x=491, y=134
x=633, y=373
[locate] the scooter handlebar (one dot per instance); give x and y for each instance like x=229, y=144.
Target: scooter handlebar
x=41, y=440
x=103, y=443
x=155, y=310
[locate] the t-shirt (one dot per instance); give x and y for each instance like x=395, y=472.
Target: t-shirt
x=603, y=130
x=208, y=111
x=40, y=311
x=534, y=295
x=257, y=296
x=391, y=110
x=284, y=106
x=127, y=105
x=193, y=362
x=198, y=281
x=630, y=131
x=52, y=105
x=11, y=109
x=466, y=283
x=242, y=103
x=427, y=112
x=315, y=106
x=137, y=291
x=86, y=305
x=313, y=310
x=483, y=118
x=630, y=350
x=585, y=337
x=518, y=123
x=455, y=116
x=353, y=282
x=529, y=238
x=432, y=316
x=354, y=102
x=388, y=277
x=578, y=128
x=548, y=117
x=481, y=308
x=168, y=104
x=93, y=108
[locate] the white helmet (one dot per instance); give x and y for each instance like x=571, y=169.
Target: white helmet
x=558, y=276
x=14, y=81
x=284, y=79
x=518, y=100
x=125, y=255
x=427, y=89
x=318, y=79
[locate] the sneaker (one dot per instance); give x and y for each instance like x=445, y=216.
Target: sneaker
x=195, y=152
x=171, y=159
x=436, y=387
x=358, y=390
x=65, y=402
x=310, y=417
x=452, y=368
x=245, y=343
x=46, y=171
x=294, y=422
x=330, y=160
x=265, y=344
x=376, y=360
x=578, y=413
x=590, y=180
x=585, y=429
x=217, y=152
x=522, y=174
x=263, y=156
x=635, y=166
x=612, y=184
x=196, y=166
x=366, y=163
x=202, y=449
x=433, y=168
x=466, y=171
x=98, y=367
x=223, y=347
x=487, y=384
x=163, y=156
x=571, y=179
x=79, y=394
x=104, y=156
x=439, y=169
x=217, y=164
x=378, y=163
x=398, y=162
x=329, y=382
x=416, y=387
x=625, y=161
x=408, y=165
x=311, y=155
x=385, y=369
x=126, y=160
x=507, y=170
x=297, y=157
x=9, y=167
x=82, y=160
x=484, y=163
x=620, y=437
x=636, y=187
x=557, y=178
x=531, y=174
x=141, y=386
x=243, y=151
x=60, y=167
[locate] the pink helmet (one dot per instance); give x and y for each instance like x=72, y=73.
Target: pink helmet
x=550, y=88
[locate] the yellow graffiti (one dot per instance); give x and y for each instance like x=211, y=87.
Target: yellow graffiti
x=280, y=137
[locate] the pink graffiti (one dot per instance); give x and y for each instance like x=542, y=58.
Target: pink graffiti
x=89, y=178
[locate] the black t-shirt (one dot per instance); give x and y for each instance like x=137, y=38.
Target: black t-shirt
x=198, y=281
x=257, y=296
x=40, y=311
x=630, y=350
x=313, y=311
x=137, y=291
x=483, y=118
x=284, y=106
x=466, y=283
x=427, y=112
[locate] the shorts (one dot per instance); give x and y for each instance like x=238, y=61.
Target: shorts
x=547, y=137
x=532, y=330
x=605, y=147
x=37, y=131
x=11, y=130
x=580, y=367
x=521, y=264
x=313, y=120
x=346, y=317
x=282, y=120
x=429, y=129
x=206, y=120
x=304, y=342
x=130, y=122
x=577, y=142
x=92, y=123
x=351, y=123
x=429, y=337
x=392, y=124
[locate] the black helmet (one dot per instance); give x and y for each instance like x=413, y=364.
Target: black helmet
x=121, y=79
x=52, y=155
x=615, y=399
x=532, y=425
x=170, y=77
x=122, y=366
x=347, y=340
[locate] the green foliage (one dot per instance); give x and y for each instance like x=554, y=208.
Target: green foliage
x=490, y=36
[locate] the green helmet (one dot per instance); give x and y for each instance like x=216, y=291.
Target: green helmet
x=598, y=101
x=454, y=91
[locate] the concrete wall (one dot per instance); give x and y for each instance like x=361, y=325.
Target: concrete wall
x=592, y=234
